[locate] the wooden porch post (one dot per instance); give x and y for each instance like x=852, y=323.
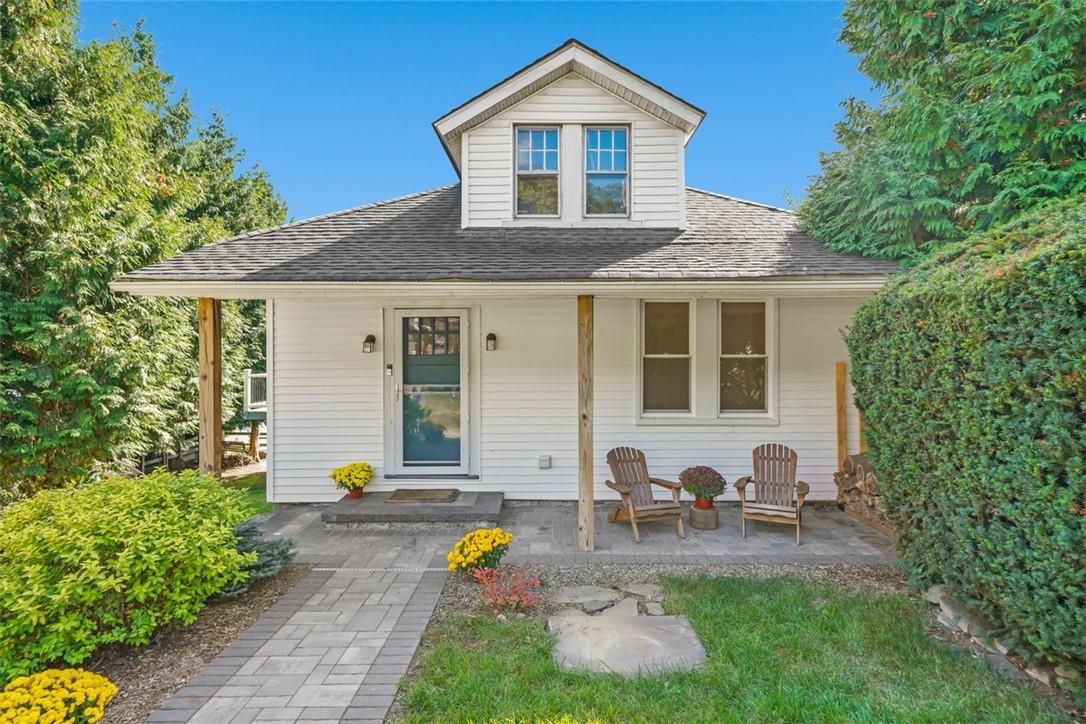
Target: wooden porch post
x=842, y=411
x=209, y=316
x=585, y=533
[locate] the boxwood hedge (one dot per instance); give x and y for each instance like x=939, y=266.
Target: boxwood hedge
x=110, y=562
x=971, y=371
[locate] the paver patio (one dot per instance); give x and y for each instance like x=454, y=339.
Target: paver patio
x=547, y=533
x=335, y=647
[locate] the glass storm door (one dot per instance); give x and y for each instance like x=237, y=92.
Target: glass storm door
x=430, y=395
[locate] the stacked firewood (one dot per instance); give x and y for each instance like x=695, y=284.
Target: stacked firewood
x=858, y=489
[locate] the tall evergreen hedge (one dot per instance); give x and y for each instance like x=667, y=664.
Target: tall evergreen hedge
x=971, y=371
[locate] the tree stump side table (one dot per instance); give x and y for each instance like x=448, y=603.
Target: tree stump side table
x=703, y=519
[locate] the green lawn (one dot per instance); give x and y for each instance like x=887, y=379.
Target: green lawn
x=254, y=488
x=779, y=650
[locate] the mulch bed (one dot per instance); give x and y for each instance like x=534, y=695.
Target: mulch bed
x=147, y=675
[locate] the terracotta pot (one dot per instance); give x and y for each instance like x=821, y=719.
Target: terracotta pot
x=703, y=503
x=354, y=493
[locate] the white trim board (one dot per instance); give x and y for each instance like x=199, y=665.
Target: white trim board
x=843, y=286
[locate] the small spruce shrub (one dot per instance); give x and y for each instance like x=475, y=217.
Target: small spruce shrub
x=971, y=372
x=111, y=562
x=271, y=555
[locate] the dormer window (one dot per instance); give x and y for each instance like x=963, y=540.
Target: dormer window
x=606, y=164
x=537, y=171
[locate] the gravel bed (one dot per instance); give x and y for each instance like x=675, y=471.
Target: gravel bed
x=461, y=593
x=147, y=675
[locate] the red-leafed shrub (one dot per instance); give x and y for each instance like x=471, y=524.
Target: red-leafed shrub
x=508, y=589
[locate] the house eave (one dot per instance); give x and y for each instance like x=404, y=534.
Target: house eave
x=571, y=57
x=805, y=286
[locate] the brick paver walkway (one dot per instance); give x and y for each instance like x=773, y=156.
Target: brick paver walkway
x=335, y=647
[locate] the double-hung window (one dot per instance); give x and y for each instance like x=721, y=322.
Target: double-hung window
x=537, y=171
x=708, y=361
x=665, y=357
x=743, y=357
x=606, y=184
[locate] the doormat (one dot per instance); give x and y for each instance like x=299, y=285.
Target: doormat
x=431, y=495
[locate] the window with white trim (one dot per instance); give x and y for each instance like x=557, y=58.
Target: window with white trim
x=744, y=359
x=665, y=357
x=537, y=171
x=606, y=167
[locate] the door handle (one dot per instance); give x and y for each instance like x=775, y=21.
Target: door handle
x=396, y=392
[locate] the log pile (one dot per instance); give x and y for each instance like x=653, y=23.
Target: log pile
x=858, y=491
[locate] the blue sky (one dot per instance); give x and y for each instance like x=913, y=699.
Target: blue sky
x=335, y=100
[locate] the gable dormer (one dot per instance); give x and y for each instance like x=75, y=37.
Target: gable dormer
x=573, y=139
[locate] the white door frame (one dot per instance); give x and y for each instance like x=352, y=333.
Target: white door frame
x=397, y=465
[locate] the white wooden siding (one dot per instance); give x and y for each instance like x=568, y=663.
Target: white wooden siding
x=329, y=398
x=327, y=394
x=656, y=148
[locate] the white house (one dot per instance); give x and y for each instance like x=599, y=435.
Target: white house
x=570, y=294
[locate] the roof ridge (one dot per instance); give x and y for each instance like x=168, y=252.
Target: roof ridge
x=332, y=214
x=742, y=201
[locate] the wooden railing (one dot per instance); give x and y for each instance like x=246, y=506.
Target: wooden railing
x=256, y=391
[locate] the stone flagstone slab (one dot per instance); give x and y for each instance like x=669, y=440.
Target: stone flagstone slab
x=586, y=594
x=625, y=645
x=651, y=591
x=625, y=607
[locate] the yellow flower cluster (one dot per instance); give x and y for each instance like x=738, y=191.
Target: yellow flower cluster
x=352, y=475
x=481, y=548
x=56, y=696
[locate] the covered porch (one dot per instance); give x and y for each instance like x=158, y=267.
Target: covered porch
x=333, y=358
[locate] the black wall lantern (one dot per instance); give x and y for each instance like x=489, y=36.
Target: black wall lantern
x=491, y=342
x=369, y=344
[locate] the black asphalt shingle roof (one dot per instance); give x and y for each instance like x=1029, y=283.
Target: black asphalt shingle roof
x=418, y=238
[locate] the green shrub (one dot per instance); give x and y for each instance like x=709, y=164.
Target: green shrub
x=971, y=371
x=110, y=562
x=271, y=555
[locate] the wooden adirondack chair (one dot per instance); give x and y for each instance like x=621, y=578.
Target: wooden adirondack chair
x=633, y=483
x=778, y=496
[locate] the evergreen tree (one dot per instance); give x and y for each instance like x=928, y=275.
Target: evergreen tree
x=983, y=116
x=100, y=173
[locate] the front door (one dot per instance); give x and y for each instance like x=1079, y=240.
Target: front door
x=430, y=395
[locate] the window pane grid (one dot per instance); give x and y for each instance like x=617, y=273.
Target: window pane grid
x=428, y=336
x=537, y=150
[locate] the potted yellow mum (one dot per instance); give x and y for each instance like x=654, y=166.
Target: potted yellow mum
x=353, y=477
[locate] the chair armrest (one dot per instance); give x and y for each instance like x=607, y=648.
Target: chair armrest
x=741, y=486
x=802, y=489
x=623, y=489
x=666, y=484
